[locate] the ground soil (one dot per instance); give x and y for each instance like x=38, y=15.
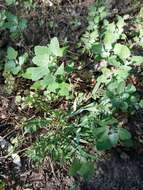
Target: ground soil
x=122, y=171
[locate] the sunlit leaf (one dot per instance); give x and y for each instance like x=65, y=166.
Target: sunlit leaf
x=35, y=73
x=11, y=53
x=122, y=51
x=55, y=47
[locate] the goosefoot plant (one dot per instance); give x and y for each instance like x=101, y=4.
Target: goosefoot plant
x=115, y=96
x=47, y=74
x=102, y=124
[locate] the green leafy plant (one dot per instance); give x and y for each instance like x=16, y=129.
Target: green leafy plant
x=11, y=22
x=47, y=74
x=72, y=125
x=102, y=123
x=108, y=44
x=14, y=63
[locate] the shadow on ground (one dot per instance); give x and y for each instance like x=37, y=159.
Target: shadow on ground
x=123, y=171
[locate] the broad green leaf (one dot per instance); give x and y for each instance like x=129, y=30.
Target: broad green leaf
x=91, y=108
x=38, y=85
x=98, y=132
x=11, y=53
x=108, y=40
x=35, y=73
x=69, y=68
x=31, y=126
x=86, y=170
x=42, y=60
x=96, y=48
x=124, y=134
x=95, y=89
x=130, y=88
x=138, y=60
x=113, y=61
x=64, y=89
x=141, y=103
x=125, y=96
x=124, y=106
x=122, y=51
x=112, y=87
x=41, y=50
x=22, y=24
x=22, y=59
x=10, y=66
x=108, y=121
x=55, y=47
x=49, y=79
x=104, y=143
x=111, y=27
x=120, y=24
x=60, y=70
x=75, y=166
x=16, y=70
x=53, y=87
x=121, y=87
x=122, y=73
